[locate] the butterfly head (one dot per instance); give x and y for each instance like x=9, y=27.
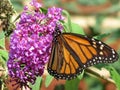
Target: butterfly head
x=57, y=32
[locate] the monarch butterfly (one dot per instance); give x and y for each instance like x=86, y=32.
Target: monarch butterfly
x=71, y=53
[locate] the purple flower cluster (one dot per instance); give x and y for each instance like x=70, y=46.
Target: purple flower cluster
x=30, y=43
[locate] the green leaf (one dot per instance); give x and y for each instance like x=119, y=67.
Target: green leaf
x=37, y=84
x=93, y=83
x=48, y=80
x=81, y=75
x=2, y=35
x=114, y=35
x=43, y=10
x=2, y=43
x=73, y=84
x=4, y=54
x=115, y=76
x=77, y=29
x=97, y=28
x=2, y=40
x=72, y=27
x=101, y=36
x=69, y=27
x=2, y=62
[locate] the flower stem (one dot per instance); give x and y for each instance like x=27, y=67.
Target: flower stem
x=92, y=71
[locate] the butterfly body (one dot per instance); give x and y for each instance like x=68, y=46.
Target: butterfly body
x=71, y=53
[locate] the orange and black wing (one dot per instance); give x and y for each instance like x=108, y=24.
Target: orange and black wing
x=71, y=53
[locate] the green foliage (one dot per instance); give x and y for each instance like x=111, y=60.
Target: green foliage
x=101, y=36
x=73, y=84
x=92, y=2
x=68, y=24
x=4, y=55
x=72, y=27
x=59, y=87
x=48, y=80
x=43, y=10
x=77, y=29
x=50, y=2
x=93, y=83
x=113, y=9
x=96, y=29
x=115, y=76
x=17, y=4
x=116, y=65
x=3, y=52
x=37, y=84
x=71, y=6
x=2, y=35
x=115, y=34
x=2, y=40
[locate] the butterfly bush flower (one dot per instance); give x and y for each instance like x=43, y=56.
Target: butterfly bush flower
x=30, y=43
x=36, y=4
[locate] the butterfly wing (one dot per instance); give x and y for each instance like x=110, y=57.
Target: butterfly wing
x=71, y=53
x=62, y=64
